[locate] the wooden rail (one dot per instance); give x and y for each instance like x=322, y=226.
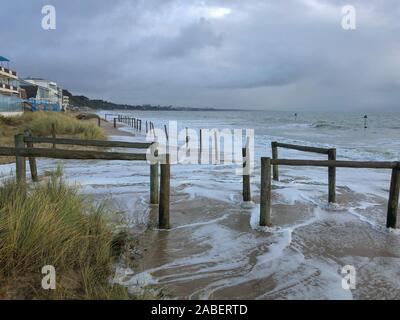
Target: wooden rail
x=70, y=154
x=24, y=148
x=90, y=143
x=331, y=169
x=266, y=163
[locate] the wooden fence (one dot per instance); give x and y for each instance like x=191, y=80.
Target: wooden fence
x=331, y=170
x=24, y=148
x=266, y=163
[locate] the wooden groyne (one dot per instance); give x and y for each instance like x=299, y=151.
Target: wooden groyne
x=266, y=187
x=331, y=170
x=270, y=170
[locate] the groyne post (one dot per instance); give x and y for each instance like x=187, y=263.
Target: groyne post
x=265, y=200
x=393, y=203
x=200, y=145
x=274, y=147
x=163, y=209
x=246, y=174
x=332, y=177
x=166, y=132
x=154, y=177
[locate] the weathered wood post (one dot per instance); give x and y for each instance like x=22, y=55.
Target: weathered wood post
x=147, y=127
x=391, y=221
x=99, y=121
x=115, y=122
x=187, y=138
x=166, y=131
x=265, y=199
x=274, y=147
x=32, y=160
x=216, y=147
x=246, y=174
x=20, y=166
x=140, y=125
x=200, y=145
x=332, y=177
x=154, y=177
x=163, y=209
x=53, y=133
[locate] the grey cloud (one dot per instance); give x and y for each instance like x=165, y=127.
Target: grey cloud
x=191, y=38
x=267, y=54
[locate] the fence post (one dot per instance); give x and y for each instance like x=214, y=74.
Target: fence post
x=20, y=166
x=166, y=131
x=332, y=177
x=32, y=160
x=274, y=146
x=99, y=121
x=265, y=200
x=393, y=203
x=147, y=127
x=154, y=177
x=53, y=133
x=163, y=209
x=246, y=174
x=115, y=122
x=200, y=145
x=216, y=147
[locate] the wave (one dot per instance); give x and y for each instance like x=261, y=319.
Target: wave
x=328, y=125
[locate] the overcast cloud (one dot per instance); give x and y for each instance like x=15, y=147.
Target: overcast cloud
x=256, y=54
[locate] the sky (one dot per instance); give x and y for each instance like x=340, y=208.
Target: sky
x=247, y=54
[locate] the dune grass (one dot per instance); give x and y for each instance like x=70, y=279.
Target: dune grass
x=40, y=123
x=52, y=224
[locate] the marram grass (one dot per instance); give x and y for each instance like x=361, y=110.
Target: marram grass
x=54, y=225
x=40, y=123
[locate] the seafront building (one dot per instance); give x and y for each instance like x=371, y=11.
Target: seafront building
x=10, y=99
x=29, y=94
x=42, y=94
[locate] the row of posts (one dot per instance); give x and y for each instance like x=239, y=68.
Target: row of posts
x=135, y=123
x=132, y=122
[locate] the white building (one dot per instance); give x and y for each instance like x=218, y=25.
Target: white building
x=50, y=91
x=10, y=102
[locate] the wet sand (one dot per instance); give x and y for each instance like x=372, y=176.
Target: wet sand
x=215, y=249
x=213, y=252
